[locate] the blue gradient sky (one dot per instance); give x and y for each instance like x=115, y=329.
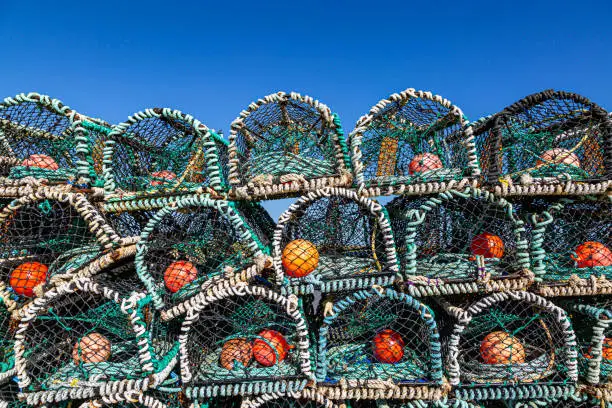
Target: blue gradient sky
x=211, y=59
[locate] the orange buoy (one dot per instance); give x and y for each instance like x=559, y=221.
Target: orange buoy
x=424, y=162
x=262, y=349
x=24, y=278
x=40, y=160
x=179, y=274
x=162, y=177
x=558, y=156
x=591, y=254
x=487, y=245
x=93, y=348
x=388, y=347
x=235, y=350
x=300, y=258
x=501, y=348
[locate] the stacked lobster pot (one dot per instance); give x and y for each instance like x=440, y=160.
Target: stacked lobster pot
x=495, y=221
x=425, y=262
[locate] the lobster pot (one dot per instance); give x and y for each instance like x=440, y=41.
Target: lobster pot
x=217, y=402
x=511, y=337
x=571, y=246
x=443, y=403
x=306, y=399
x=286, y=143
x=460, y=242
x=375, y=335
x=37, y=139
x=591, y=320
x=334, y=240
x=552, y=142
x=248, y=341
x=81, y=340
x=185, y=245
x=49, y=233
x=162, y=151
x=569, y=401
x=410, y=143
x=148, y=399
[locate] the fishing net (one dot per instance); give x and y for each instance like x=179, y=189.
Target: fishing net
x=249, y=341
x=412, y=138
x=571, y=242
x=80, y=340
x=382, y=336
x=37, y=140
x=546, y=143
x=289, y=141
x=512, y=338
x=185, y=245
x=162, y=151
x=333, y=240
x=459, y=242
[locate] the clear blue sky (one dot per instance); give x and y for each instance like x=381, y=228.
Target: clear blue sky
x=112, y=58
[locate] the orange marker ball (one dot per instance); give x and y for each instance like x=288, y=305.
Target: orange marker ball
x=501, y=348
x=235, y=350
x=24, y=278
x=40, y=160
x=424, y=162
x=591, y=254
x=300, y=258
x=164, y=175
x=93, y=348
x=179, y=274
x=558, y=156
x=487, y=245
x=388, y=347
x=263, y=352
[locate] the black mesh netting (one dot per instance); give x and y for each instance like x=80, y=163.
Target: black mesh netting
x=40, y=239
x=189, y=246
x=35, y=136
x=570, y=237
